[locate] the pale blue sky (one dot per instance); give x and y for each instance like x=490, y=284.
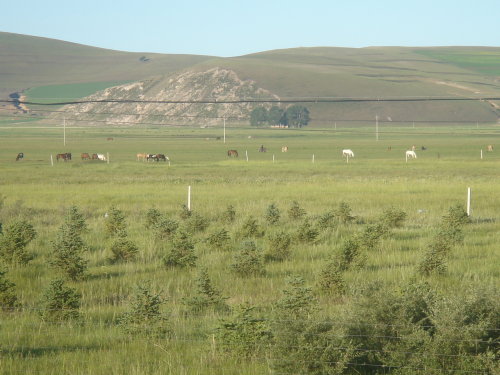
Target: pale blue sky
x=231, y=28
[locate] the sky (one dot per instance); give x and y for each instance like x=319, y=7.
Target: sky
x=232, y=28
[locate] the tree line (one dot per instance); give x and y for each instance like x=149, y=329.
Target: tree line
x=295, y=116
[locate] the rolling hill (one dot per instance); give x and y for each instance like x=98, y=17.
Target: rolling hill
x=323, y=72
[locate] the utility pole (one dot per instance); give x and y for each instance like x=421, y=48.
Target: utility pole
x=64, y=130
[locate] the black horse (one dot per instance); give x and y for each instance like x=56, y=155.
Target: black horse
x=19, y=156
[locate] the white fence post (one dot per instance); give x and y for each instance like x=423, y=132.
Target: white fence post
x=468, y=200
x=481, y=154
x=313, y=158
x=189, y=198
x=51, y=160
x=246, y=154
x=107, y=158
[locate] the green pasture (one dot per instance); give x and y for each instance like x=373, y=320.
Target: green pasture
x=68, y=92
x=312, y=172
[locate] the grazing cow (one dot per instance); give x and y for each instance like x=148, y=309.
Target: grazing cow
x=411, y=154
x=262, y=149
x=232, y=153
x=490, y=148
x=347, y=153
x=85, y=156
x=141, y=157
x=66, y=156
x=19, y=156
x=101, y=157
x=284, y=149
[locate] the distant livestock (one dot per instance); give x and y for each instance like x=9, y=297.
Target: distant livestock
x=109, y=139
x=490, y=148
x=85, y=156
x=95, y=157
x=284, y=149
x=262, y=149
x=232, y=153
x=66, y=156
x=410, y=154
x=156, y=157
x=101, y=157
x=141, y=157
x=19, y=156
x=347, y=153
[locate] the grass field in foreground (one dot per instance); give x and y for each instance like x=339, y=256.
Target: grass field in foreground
x=372, y=181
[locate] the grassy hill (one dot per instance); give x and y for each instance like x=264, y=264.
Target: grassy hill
x=61, y=70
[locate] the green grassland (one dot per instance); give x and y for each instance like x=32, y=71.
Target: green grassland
x=375, y=179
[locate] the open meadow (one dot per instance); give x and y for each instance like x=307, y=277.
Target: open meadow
x=311, y=270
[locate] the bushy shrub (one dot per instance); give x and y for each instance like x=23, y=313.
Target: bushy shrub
x=229, y=215
x=181, y=252
x=372, y=234
x=17, y=235
x=393, y=218
x=349, y=256
x=218, y=240
x=207, y=296
x=75, y=220
x=273, y=214
x=326, y=221
x=60, y=302
x=152, y=217
x=145, y=317
x=434, y=259
x=244, y=335
x=344, y=214
x=185, y=212
x=66, y=255
x=123, y=249
x=303, y=343
x=164, y=228
x=331, y=280
x=296, y=212
x=248, y=260
x=307, y=233
x=8, y=297
x=250, y=228
x=115, y=222
x=278, y=246
x=196, y=223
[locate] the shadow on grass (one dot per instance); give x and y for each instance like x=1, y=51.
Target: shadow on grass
x=25, y=352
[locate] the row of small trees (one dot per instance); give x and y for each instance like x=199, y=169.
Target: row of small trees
x=295, y=116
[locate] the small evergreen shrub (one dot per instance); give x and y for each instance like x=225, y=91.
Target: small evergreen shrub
x=152, y=217
x=185, y=212
x=307, y=233
x=60, y=302
x=67, y=252
x=273, y=214
x=8, y=297
x=326, y=221
x=13, y=242
x=296, y=212
x=75, y=220
x=229, y=215
x=181, y=252
x=123, y=249
x=278, y=246
x=144, y=317
x=248, y=260
x=331, y=280
x=164, y=228
x=244, y=335
x=393, y=218
x=196, y=223
x=115, y=222
x=250, y=228
x=207, y=296
x=349, y=256
x=344, y=214
x=372, y=234
x=218, y=240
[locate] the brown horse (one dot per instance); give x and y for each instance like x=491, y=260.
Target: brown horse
x=85, y=156
x=232, y=153
x=66, y=156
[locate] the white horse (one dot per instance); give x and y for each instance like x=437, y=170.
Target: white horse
x=347, y=153
x=101, y=157
x=410, y=154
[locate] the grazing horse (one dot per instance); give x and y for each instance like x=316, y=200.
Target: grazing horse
x=347, y=153
x=101, y=157
x=423, y=148
x=410, y=154
x=150, y=157
x=284, y=149
x=109, y=139
x=262, y=149
x=19, y=156
x=232, y=153
x=95, y=157
x=85, y=156
x=161, y=157
x=66, y=156
x=141, y=157
x=490, y=148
